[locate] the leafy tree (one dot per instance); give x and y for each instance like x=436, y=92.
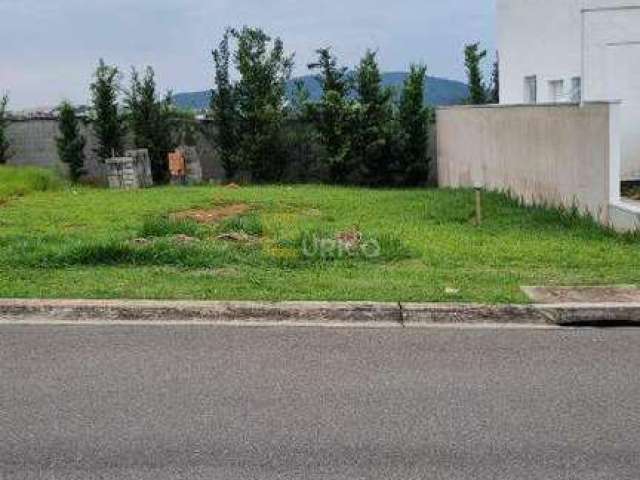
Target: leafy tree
x=107, y=123
x=150, y=119
x=473, y=62
x=372, y=142
x=224, y=108
x=264, y=70
x=4, y=122
x=70, y=143
x=495, y=81
x=413, y=119
x=333, y=114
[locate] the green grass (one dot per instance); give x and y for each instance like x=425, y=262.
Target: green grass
x=412, y=245
x=250, y=224
x=19, y=181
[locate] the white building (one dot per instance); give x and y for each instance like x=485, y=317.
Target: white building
x=572, y=51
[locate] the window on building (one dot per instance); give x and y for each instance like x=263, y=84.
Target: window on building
x=556, y=91
x=531, y=89
x=576, y=89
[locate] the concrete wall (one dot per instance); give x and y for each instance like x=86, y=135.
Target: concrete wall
x=33, y=142
x=562, y=155
x=597, y=41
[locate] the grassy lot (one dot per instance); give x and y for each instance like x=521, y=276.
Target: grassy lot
x=19, y=181
x=296, y=243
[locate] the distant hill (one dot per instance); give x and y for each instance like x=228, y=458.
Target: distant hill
x=439, y=91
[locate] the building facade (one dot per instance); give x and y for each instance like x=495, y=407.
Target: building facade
x=556, y=51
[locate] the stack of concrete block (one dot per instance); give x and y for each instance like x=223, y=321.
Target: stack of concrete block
x=193, y=167
x=131, y=171
x=142, y=163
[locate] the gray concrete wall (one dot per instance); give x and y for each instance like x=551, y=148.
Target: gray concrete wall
x=562, y=155
x=33, y=142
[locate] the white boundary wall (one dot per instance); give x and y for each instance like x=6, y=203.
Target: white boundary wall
x=561, y=155
x=597, y=41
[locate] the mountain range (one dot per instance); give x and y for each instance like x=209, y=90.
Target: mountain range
x=438, y=91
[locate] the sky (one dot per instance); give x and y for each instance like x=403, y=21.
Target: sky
x=49, y=48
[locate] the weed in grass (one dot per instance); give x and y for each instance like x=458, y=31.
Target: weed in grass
x=249, y=224
x=164, y=226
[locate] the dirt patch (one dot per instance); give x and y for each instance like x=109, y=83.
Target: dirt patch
x=213, y=215
x=237, y=237
x=183, y=239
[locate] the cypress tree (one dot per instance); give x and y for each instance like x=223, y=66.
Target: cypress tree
x=150, y=121
x=333, y=114
x=264, y=70
x=70, y=143
x=4, y=122
x=372, y=142
x=495, y=80
x=473, y=63
x=413, y=118
x=224, y=109
x=107, y=123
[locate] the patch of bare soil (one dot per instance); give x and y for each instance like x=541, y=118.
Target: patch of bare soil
x=183, y=239
x=239, y=237
x=213, y=215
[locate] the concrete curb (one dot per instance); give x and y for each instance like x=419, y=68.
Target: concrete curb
x=187, y=311
x=350, y=313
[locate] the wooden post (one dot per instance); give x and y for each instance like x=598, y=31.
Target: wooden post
x=478, y=204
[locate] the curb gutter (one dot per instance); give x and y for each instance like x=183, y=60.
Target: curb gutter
x=350, y=313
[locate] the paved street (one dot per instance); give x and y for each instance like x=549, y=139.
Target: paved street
x=197, y=402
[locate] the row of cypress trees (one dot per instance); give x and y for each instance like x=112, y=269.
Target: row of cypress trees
x=149, y=117
x=367, y=135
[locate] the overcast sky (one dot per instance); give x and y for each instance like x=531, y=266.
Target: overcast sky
x=49, y=48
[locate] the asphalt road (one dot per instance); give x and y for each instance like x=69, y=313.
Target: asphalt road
x=195, y=402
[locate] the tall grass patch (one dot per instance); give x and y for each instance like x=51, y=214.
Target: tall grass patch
x=20, y=181
x=166, y=226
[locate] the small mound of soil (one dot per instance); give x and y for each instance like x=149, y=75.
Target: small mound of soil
x=213, y=215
